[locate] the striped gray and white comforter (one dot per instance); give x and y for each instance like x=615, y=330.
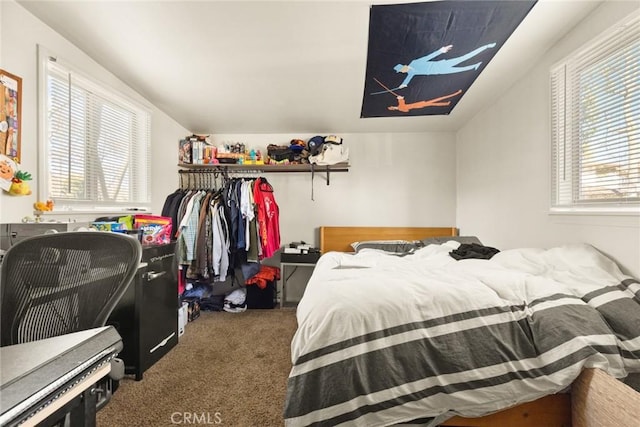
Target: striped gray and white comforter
x=383, y=339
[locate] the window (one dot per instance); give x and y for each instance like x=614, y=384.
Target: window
x=595, y=123
x=95, y=142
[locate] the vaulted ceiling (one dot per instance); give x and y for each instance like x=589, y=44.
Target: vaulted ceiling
x=292, y=66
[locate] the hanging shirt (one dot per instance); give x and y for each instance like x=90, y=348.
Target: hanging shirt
x=268, y=217
x=246, y=209
x=189, y=228
x=240, y=243
x=233, y=206
x=220, y=242
x=199, y=266
x=170, y=209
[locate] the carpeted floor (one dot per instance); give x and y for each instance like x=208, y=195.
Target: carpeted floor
x=229, y=369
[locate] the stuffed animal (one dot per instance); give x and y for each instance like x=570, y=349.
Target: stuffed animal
x=43, y=206
x=19, y=185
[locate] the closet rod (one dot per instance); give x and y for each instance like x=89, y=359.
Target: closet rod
x=201, y=171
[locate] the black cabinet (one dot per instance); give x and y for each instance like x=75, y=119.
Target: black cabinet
x=147, y=315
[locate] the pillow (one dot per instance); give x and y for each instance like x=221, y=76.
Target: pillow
x=393, y=246
x=445, y=239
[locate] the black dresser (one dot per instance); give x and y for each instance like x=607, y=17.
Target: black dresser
x=147, y=315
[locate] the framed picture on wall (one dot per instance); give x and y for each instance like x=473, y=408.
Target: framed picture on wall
x=10, y=115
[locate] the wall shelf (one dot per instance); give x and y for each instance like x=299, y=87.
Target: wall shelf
x=229, y=167
x=292, y=168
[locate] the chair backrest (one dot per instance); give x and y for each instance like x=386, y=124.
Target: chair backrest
x=60, y=283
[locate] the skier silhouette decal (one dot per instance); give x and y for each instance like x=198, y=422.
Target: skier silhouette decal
x=428, y=54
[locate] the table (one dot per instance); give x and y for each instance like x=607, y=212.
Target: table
x=284, y=278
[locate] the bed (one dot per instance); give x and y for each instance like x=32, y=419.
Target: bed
x=422, y=339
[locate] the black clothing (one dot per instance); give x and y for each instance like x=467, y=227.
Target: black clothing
x=473, y=250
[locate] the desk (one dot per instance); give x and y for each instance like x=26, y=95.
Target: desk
x=284, y=278
x=46, y=379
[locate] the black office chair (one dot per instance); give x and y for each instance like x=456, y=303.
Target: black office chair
x=60, y=283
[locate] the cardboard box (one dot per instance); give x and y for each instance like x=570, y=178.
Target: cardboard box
x=183, y=318
x=109, y=226
x=185, y=152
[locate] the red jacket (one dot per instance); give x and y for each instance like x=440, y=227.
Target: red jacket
x=268, y=216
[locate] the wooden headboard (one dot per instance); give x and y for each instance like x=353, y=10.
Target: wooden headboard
x=340, y=238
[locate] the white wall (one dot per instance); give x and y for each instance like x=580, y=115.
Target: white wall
x=491, y=179
x=503, y=166
x=20, y=33
x=395, y=179
x=404, y=179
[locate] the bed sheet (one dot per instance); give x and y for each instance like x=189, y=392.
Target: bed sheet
x=384, y=339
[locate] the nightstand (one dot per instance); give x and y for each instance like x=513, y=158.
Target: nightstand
x=288, y=269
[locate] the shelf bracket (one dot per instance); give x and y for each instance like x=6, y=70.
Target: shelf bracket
x=327, y=170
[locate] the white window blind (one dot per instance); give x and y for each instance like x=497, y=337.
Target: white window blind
x=595, y=122
x=97, y=142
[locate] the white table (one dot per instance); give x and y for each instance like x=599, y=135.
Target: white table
x=284, y=278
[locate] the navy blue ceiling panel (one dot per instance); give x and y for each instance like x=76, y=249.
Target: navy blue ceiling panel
x=422, y=57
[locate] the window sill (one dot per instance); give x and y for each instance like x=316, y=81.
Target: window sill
x=600, y=211
x=88, y=211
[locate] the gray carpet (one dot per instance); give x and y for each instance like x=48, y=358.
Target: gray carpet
x=229, y=369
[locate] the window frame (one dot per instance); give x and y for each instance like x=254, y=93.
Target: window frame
x=121, y=99
x=562, y=111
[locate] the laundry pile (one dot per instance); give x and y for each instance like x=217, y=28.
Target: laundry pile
x=258, y=291
x=320, y=150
